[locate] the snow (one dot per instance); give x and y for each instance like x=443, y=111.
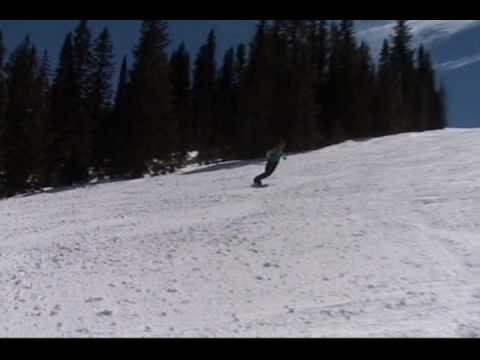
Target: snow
x=377, y=238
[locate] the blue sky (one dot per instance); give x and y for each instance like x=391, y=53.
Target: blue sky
x=49, y=34
x=455, y=46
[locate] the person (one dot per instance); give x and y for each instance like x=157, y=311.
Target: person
x=273, y=159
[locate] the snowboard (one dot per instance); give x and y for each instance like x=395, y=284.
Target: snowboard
x=260, y=186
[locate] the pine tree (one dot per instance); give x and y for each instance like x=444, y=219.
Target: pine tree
x=82, y=145
x=362, y=104
x=295, y=33
x=402, y=60
x=422, y=91
x=240, y=63
x=240, y=68
x=24, y=123
x=73, y=141
x=429, y=102
x=119, y=126
x=226, y=102
x=312, y=38
x=440, y=110
x=334, y=121
x=298, y=96
x=151, y=133
x=318, y=38
x=304, y=131
x=275, y=83
x=83, y=58
x=182, y=100
x=43, y=136
x=322, y=47
x=100, y=99
x=64, y=103
x=257, y=96
x=347, y=55
x=402, y=52
x=385, y=98
x=204, y=94
x=3, y=104
x=122, y=81
x=102, y=73
x=259, y=41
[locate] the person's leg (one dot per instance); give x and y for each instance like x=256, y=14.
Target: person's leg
x=259, y=178
x=270, y=168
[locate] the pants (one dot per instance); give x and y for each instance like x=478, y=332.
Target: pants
x=269, y=170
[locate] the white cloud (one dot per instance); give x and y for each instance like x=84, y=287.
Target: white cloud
x=459, y=63
x=424, y=31
x=428, y=31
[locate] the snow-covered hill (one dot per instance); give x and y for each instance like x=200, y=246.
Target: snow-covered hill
x=378, y=238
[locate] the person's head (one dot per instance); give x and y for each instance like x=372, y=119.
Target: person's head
x=282, y=144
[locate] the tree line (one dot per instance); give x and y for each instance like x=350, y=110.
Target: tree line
x=309, y=82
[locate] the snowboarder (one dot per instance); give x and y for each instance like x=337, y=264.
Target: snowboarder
x=273, y=158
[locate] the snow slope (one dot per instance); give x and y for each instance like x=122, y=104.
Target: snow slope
x=365, y=239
